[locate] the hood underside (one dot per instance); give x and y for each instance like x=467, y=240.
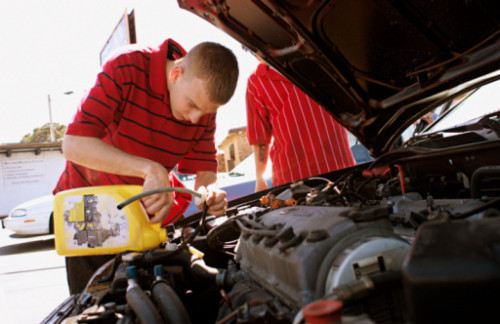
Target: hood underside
x=375, y=65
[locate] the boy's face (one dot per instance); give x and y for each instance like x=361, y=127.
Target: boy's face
x=189, y=99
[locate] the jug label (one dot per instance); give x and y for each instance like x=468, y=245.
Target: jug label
x=93, y=221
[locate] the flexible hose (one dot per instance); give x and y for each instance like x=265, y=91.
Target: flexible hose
x=478, y=175
x=200, y=270
x=142, y=306
x=155, y=191
x=164, y=256
x=171, y=308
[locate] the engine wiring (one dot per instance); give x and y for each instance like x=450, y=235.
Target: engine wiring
x=151, y=256
x=368, y=196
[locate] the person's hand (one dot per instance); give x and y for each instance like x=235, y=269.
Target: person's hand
x=428, y=118
x=158, y=205
x=216, y=201
x=260, y=184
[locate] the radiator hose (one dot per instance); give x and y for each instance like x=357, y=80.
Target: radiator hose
x=139, y=302
x=171, y=308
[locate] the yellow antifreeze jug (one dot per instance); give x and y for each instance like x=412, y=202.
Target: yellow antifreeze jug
x=88, y=222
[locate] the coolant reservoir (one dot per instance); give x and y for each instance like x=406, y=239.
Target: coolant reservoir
x=88, y=222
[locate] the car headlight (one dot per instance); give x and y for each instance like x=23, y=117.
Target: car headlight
x=18, y=213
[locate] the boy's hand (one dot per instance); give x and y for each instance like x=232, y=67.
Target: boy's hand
x=216, y=201
x=159, y=204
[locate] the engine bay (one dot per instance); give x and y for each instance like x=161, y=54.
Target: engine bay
x=412, y=237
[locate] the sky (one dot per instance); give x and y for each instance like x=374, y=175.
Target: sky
x=51, y=47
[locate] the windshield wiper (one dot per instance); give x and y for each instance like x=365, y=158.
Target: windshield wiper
x=485, y=122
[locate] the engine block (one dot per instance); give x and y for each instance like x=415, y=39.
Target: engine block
x=315, y=248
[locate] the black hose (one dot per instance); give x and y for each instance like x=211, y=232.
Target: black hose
x=142, y=306
x=171, y=308
x=189, y=262
x=386, y=281
x=477, y=210
x=164, y=256
x=155, y=191
x=200, y=270
x=485, y=171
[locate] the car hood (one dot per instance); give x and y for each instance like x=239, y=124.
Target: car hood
x=376, y=66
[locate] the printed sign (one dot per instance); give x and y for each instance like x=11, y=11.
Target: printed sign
x=21, y=172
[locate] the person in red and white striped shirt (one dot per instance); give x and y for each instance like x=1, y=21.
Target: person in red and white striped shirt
x=306, y=140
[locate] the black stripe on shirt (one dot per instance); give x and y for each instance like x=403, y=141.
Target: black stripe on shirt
x=133, y=84
x=121, y=179
x=163, y=116
x=205, y=152
x=144, y=55
x=107, y=177
x=111, y=79
x=207, y=139
x=80, y=173
x=84, y=122
x=148, y=145
x=97, y=118
x=113, y=99
x=133, y=66
x=156, y=131
x=193, y=159
x=99, y=101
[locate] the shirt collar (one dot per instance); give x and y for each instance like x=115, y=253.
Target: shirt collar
x=269, y=72
x=157, y=70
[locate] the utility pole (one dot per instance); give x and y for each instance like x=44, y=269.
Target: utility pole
x=51, y=125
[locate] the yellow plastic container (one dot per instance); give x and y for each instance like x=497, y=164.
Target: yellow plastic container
x=87, y=222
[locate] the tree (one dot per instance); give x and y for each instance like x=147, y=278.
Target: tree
x=42, y=134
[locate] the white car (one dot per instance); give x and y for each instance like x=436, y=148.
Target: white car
x=32, y=217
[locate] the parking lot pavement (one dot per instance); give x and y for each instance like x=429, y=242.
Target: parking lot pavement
x=32, y=278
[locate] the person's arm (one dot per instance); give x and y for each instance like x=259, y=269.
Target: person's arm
x=216, y=198
x=96, y=154
x=261, y=154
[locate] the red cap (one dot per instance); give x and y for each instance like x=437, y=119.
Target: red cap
x=323, y=311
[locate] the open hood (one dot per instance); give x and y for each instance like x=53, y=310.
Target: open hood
x=375, y=65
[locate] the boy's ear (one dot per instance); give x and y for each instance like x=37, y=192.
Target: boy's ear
x=175, y=73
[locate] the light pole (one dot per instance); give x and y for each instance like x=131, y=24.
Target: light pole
x=51, y=125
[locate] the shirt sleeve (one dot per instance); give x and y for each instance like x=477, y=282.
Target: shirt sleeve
x=203, y=155
x=259, y=128
x=100, y=106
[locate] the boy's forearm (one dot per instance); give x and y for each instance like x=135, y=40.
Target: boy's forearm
x=96, y=154
x=205, y=178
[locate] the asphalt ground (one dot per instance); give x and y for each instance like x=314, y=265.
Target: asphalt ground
x=32, y=278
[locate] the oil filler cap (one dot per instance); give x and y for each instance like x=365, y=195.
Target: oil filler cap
x=323, y=311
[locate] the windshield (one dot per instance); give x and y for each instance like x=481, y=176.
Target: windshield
x=483, y=101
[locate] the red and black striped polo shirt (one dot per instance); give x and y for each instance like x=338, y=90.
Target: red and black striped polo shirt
x=129, y=108
x=307, y=141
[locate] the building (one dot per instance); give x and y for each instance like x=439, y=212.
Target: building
x=235, y=147
x=28, y=171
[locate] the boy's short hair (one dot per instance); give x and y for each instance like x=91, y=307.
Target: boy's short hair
x=215, y=64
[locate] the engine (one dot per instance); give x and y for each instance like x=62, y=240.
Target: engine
x=313, y=249
x=365, y=245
